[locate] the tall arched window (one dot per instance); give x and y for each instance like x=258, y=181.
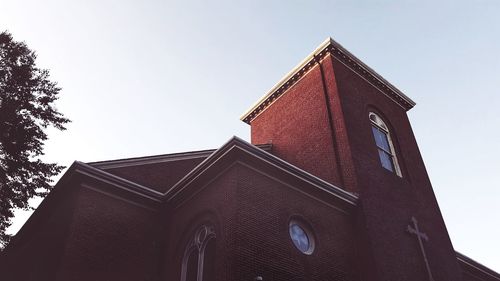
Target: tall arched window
x=198, y=262
x=386, y=151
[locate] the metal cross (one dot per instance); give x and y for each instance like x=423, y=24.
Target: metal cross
x=413, y=229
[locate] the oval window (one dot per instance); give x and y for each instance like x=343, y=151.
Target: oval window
x=301, y=237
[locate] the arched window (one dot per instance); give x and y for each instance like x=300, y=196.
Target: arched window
x=386, y=151
x=198, y=262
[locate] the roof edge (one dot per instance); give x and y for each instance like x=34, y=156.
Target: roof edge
x=236, y=142
x=119, y=182
x=63, y=185
x=329, y=46
x=478, y=266
x=153, y=159
x=161, y=158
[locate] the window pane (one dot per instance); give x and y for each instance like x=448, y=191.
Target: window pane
x=299, y=238
x=386, y=160
x=192, y=266
x=380, y=138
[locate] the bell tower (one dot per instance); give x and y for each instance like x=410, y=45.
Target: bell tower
x=336, y=118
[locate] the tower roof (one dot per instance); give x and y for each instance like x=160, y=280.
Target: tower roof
x=329, y=46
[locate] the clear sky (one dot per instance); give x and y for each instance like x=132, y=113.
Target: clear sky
x=153, y=77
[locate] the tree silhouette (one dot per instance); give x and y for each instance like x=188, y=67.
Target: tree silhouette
x=26, y=110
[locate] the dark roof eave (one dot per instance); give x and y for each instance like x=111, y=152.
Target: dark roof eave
x=477, y=266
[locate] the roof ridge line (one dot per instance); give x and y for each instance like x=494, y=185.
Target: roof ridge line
x=106, y=164
x=306, y=176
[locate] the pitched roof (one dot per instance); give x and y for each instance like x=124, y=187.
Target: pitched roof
x=102, y=177
x=235, y=149
x=238, y=150
x=158, y=172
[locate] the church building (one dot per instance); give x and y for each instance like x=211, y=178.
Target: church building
x=331, y=187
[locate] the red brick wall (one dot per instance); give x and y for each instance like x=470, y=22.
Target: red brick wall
x=35, y=252
x=298, y=127
x=297, y=123
x=214, y=204
x=388, y=201
x=81, y=234
x=265, y=208
x=109, y=239
x=251, y=213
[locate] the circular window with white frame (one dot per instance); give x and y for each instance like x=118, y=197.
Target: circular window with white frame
x=302, y=236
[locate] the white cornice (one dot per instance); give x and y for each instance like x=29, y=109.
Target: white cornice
x=119, y=182
x=329, y=46
x=237, y=144
x=155, y=159
x=137, y=161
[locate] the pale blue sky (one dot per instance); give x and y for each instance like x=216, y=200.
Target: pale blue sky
x=153, y=77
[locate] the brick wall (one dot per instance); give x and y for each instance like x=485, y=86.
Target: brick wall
x=298, y=125
x=109, y=239
x=265, y=207
x=35, y=252
x=251, y=212
x=214, y=204
x=388, y=201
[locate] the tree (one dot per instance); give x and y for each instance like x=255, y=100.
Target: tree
x=26, y=109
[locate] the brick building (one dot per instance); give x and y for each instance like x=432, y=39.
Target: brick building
x=333, y=187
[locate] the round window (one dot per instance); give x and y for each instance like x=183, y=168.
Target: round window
x=301, y=237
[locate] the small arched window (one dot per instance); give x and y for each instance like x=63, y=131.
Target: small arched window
x=385, y=147
x=199, y=256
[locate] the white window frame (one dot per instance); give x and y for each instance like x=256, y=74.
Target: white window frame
x=377, y=122
x=307, y=230
x=198, y=242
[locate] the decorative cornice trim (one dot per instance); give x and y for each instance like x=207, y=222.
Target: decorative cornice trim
x=122, y=189
x=118, y=182
x=237, y=144
x=90, y=177
x=155, y=159
x=137, y=161
x=328, y=47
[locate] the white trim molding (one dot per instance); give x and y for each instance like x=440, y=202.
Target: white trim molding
x=328, y=47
